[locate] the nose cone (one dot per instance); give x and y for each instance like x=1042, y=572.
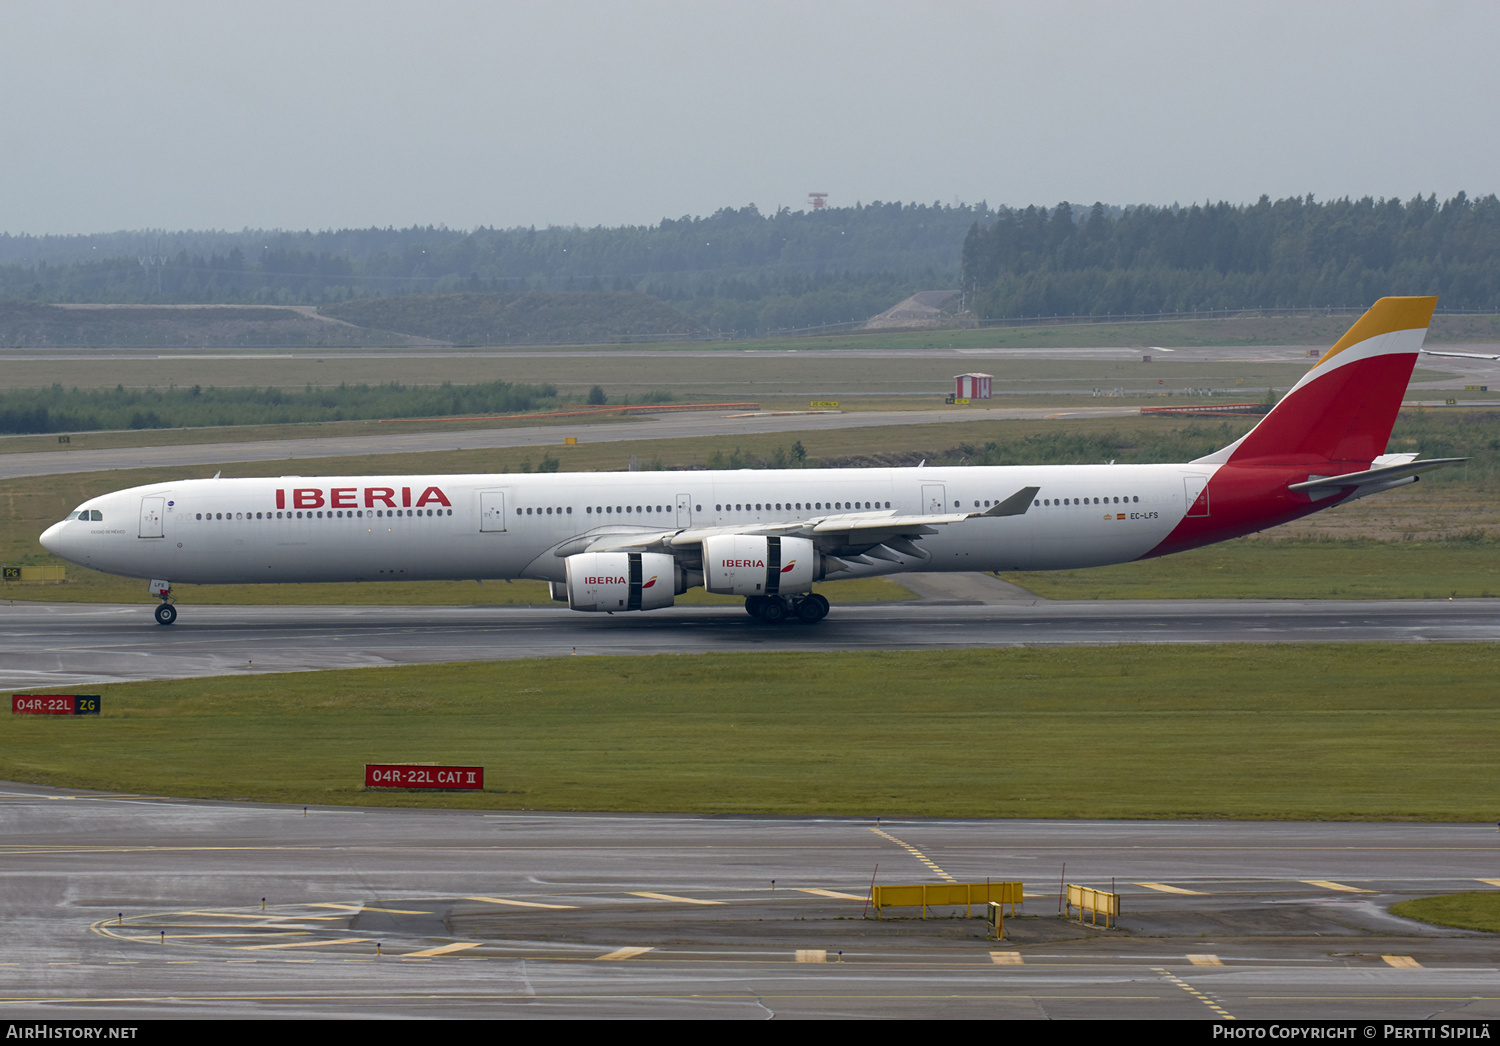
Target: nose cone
x=52, y=539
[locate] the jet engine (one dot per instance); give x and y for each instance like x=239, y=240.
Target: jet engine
x=614, y=581
x=752, y=565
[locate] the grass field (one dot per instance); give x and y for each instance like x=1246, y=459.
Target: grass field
x=801, y=369
x=1475, y=910
x=1243, y=330
x=1336, y=732
x=1269, y=568
x=786, y=378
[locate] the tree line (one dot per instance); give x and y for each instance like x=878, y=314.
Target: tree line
x=737, y=270
x=1295, y=252
x=742, y=272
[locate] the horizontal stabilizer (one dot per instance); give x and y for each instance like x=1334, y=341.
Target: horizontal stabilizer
x=1377, y=475
x=1462, y=355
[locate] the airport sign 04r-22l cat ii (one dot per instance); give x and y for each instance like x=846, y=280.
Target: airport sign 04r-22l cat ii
x=616, y=542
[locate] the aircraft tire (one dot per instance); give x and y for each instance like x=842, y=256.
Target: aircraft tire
x=166, y=614
x=812, y=610
x=754, y=604
x=773, y=611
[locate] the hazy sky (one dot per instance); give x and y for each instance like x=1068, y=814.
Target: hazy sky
x=181, y=114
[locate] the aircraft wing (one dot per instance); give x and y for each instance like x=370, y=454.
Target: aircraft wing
x=1015, y=505
x=841, y=531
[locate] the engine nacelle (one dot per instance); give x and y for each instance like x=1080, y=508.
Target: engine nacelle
x=616, y=581
x=752, y=565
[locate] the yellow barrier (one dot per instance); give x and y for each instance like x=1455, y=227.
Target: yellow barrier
x=34, y=574
x=928, y=895
x=1096, y=902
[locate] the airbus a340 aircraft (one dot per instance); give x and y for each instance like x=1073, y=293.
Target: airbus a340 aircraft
x=632, y=541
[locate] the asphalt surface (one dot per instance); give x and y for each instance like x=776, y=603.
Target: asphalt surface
x=129, y=907
x=63, y=645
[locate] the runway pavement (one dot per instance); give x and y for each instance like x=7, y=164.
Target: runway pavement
x=127, y=907
x=65, y=645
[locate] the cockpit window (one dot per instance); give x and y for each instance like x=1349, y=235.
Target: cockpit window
x=96, y=516
x=86, y=514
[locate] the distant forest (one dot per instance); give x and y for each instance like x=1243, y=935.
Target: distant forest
x=743, y=273
x=736, y=271
x=1290, y=253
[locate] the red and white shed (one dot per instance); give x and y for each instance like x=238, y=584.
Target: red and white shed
x=972, y=386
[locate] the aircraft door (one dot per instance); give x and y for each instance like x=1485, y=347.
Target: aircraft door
x=934, y=502
x=684, y=510
x=151, y=517
x=1197, y=495
x=491, y=511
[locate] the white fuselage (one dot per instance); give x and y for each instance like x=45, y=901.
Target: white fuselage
x=304, y=529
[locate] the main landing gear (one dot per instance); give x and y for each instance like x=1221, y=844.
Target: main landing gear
x=775, y=609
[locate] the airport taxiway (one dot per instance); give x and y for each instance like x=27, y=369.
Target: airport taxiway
x=131, y=907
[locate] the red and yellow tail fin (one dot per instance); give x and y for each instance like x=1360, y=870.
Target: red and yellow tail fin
x=1344, y=407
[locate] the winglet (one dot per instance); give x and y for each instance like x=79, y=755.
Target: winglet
x=1015, y=505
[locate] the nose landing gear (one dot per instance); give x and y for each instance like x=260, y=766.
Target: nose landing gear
x=166, y=613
